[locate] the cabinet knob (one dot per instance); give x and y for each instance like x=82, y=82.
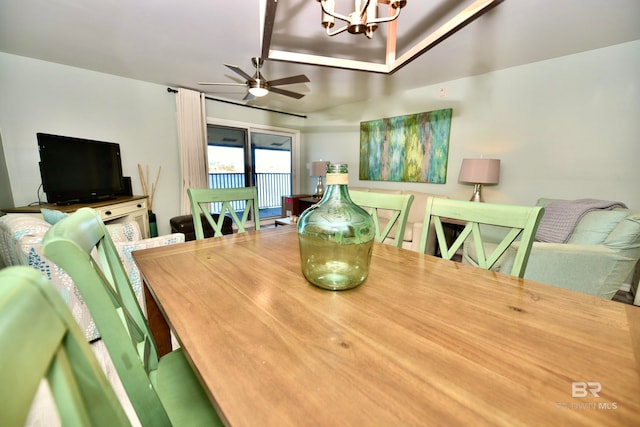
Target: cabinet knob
x=107, y=213
x=139, y=205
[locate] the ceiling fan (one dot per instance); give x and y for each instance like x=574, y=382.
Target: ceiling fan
x=259, y=86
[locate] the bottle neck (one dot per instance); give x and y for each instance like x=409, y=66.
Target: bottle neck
x=337, y=187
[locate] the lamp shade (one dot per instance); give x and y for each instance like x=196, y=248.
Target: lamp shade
x=319, y=168
x=480, y=171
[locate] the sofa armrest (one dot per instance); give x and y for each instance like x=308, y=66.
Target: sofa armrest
x=128, y=231
x=592, y=269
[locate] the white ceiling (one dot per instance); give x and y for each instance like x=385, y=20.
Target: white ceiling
x=179, y=43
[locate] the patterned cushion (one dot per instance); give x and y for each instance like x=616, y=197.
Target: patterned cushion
x=125, y=250
x=21, y=244
x=14, y=228
x=52, y=216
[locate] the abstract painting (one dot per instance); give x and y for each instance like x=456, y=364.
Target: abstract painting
x=411, y=148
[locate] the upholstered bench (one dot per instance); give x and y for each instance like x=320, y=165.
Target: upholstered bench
x=184, y=224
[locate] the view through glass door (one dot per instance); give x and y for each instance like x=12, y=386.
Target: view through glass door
x=241, y=157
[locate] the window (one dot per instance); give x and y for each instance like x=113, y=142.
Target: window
x=241, y=156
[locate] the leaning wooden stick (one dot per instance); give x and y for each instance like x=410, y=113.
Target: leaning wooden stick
x=154, y=185
x=142, y=180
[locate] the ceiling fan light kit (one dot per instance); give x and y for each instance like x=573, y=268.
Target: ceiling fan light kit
x=257, y=86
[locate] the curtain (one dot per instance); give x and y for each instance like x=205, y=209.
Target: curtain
x=192, y=137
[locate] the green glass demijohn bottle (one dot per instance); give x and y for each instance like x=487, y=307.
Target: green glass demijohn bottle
x=336, y=236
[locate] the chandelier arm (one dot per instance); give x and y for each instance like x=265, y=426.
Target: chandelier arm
x=335, y=15
x=386, y=19
x=341, y=30
x=364, y=9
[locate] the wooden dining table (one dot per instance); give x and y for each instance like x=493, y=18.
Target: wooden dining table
x=423, y=341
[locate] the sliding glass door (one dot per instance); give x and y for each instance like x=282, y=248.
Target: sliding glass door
x=241, y=156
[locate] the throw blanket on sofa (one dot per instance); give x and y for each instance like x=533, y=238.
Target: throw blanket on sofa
x=560, y=218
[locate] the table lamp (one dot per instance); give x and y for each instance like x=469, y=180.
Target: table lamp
x=319, y=169
x=479, y=172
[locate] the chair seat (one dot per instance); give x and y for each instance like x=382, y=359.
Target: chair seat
x=181, y=393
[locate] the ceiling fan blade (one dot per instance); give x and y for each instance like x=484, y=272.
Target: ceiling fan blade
x=286, y=92
x=237, y=69
x=221, y=84
x=290, y=80
x=248, y=97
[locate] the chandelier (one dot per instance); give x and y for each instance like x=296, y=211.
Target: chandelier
x=363, y=20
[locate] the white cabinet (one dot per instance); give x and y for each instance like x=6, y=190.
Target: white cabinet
x=132, y=210
x=120, y=209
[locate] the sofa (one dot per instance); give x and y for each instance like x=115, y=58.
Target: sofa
x=599, y=256
x=413, y=231
x=20, y=244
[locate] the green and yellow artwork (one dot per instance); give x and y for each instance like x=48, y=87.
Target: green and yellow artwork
x=411, y=148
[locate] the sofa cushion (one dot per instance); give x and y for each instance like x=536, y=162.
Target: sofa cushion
x=418, y=207
x=626, y=234
x=124, y=232
x=21, y=244
x=13, y=230
x=595, y=226
x=504, y=264
x=408, y=231
x=413, y=230
x=52, y=216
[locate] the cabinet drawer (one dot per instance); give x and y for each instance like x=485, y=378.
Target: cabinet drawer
x=119, y=210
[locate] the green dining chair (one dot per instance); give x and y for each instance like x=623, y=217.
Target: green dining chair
x=521, y=220
x=40, y=339
x=387, y=211
x=201, y=199
x=163, y=391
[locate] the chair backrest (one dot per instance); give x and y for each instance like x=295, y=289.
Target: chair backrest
x=80, y=244
x=40, y=339
x=201, y=199
x=522, y=220
x=396, y=207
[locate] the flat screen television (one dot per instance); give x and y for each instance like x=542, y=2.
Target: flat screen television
x=76, y=170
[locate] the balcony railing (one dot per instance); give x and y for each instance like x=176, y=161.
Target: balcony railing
x=271, y=187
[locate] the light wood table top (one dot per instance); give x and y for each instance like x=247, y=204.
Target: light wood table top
x=423, y=341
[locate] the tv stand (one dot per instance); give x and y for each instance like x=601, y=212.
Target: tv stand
x=117, y=209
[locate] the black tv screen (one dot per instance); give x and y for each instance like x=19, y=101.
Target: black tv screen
x=76, y=170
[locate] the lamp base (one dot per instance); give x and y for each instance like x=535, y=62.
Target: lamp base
x=477, y=194
x=319, y=188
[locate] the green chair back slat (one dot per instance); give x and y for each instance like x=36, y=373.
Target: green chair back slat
x=201, y=199
x=398, y=204
x=81, y=245
x=40, y=339
x=523, y=221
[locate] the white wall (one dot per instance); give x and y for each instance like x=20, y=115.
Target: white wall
x=40, y=96
x=567, y=127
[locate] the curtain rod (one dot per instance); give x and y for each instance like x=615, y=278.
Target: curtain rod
x=171, y=90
